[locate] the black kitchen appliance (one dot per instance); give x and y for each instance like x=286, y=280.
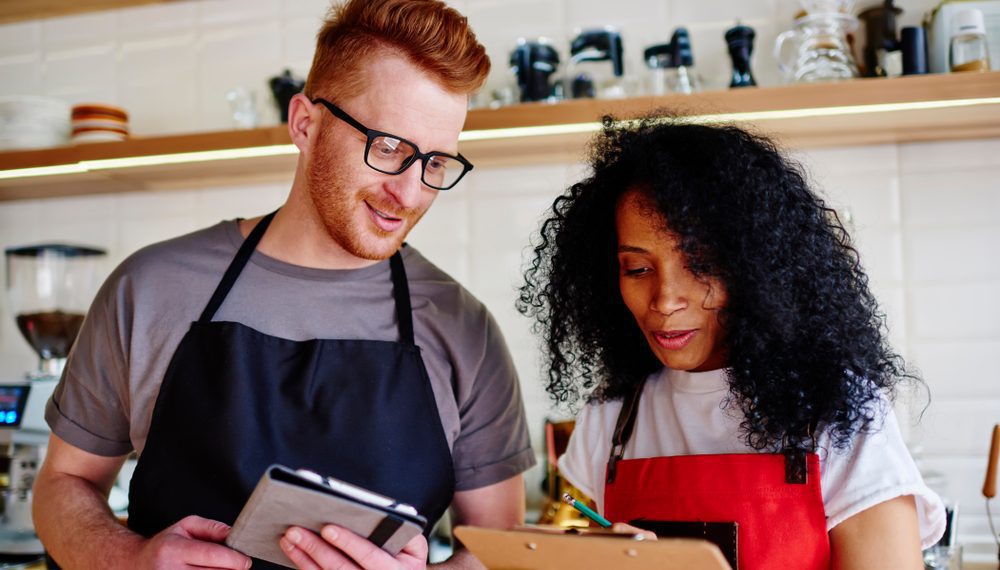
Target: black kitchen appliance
x=533, y=63
x=740, y=38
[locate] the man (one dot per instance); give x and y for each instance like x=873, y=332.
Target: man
x=311, y=337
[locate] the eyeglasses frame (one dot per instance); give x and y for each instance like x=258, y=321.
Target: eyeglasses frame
x=372, y=134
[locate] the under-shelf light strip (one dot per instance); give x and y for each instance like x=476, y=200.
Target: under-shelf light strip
x=486, y=134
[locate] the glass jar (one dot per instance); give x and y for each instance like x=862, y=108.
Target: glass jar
x=969, y=50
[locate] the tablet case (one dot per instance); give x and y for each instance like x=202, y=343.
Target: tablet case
x=283, y=498
x=531, y=550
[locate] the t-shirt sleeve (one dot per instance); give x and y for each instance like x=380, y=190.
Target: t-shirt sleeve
x=493, y=443
x=87, y=408
x=585, y=461
x=878, y=468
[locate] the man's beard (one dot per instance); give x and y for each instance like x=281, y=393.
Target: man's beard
x=337, y=205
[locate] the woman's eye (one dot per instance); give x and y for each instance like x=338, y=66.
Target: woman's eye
x=634, y=271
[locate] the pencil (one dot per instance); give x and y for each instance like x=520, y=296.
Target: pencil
x=587, y=511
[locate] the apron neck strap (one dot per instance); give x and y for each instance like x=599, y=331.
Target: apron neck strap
x=623, y=428
x=401, y=293
x=400, y=287
x=236, y=267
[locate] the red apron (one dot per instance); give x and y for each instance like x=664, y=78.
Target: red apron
x=774, y=498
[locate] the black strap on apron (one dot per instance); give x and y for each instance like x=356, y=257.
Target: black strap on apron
x=236, y=267
x=623, y=428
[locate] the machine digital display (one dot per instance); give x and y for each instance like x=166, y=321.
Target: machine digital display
x=13, y=397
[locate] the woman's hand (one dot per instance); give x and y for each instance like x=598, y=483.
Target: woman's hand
x=337, y=548
x=629, y=529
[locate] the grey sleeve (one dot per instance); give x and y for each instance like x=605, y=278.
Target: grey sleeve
x=493, y=444
x=87, y=408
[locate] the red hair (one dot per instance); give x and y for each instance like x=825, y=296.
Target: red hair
x=434, y=37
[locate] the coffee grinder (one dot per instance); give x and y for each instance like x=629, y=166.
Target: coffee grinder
x=49, y=289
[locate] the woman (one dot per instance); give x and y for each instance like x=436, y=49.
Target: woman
x=713, y=312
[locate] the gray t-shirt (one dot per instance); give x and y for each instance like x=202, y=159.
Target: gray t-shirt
x=104, y=401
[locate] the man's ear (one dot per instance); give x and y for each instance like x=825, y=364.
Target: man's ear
x=303, y=120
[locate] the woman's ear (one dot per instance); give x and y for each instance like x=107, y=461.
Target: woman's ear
x=303, y=120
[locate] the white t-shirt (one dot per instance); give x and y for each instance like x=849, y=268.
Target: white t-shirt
x=681, y=413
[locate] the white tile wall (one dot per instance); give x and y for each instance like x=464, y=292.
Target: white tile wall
x=924, y=216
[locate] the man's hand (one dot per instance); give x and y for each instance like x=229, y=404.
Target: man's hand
x=192, y=542
x=341, y=549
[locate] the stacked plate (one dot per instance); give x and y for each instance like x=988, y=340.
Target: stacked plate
x=28, y=121
x=96, y=122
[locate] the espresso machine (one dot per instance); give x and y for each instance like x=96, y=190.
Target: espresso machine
x=49, y=289
x=533, y=62
x=596, y=65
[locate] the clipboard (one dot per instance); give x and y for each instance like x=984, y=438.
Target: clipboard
x=283, y=498
x=524, y=549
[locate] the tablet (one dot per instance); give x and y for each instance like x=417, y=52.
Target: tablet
x=284, y=497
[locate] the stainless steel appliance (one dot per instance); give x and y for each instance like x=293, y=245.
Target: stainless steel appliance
x=49, y=289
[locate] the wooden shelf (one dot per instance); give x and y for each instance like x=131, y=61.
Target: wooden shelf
x=20, y=10
x=860, y=112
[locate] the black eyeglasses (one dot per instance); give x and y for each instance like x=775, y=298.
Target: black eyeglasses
x=390, y=154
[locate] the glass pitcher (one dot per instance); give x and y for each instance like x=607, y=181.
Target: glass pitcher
x=817, y=48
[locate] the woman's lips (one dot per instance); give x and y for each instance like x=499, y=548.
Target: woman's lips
x=674, y=340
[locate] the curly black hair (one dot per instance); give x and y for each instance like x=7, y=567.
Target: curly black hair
x=805, y=338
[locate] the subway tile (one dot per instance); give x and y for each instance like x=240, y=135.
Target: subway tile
x=724, y=12
x=957, y=426
x=949, y=198
x=223, y=13
x=315, y=9
x=81, y=31
x=957, y=368
x=298, y=43
x=21, y=75
x=881, y=253
x=76, y=74
x=159, y=85
x=148, y=205
x=214, y=205
x=872, y=200
x=550, y=179
x=21, y=38
x=155, y=20
x=953, y=255
x=135, y=234
x=949, y=156
x=968, y=311
x=245, y=57
x=20, y=213
x=513, y=19
x=628, y=17
x=823, y=163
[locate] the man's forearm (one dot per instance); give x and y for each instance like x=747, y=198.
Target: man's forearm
x=76, y=525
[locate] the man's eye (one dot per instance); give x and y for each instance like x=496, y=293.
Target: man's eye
x=386, y=147
x=436, y=164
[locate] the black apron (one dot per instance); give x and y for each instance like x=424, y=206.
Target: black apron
x=235, y=400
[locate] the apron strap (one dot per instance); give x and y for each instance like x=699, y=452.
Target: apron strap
x=795, y=450
x=623, y=428
x=236, y=267
x=401, y=293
